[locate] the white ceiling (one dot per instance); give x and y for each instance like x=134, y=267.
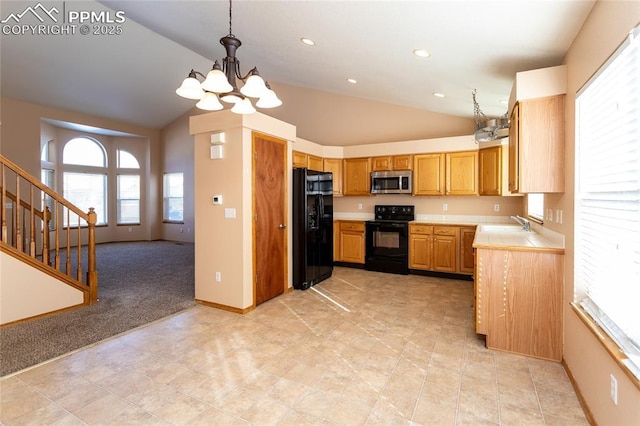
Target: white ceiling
x=131, y=77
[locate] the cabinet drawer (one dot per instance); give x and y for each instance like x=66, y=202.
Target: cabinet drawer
x=352, y=226
x=445, y=230
x=420, y=229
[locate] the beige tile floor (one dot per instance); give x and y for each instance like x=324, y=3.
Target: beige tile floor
x=404, y=353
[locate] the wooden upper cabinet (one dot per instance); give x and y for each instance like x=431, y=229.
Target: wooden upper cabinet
x=402, y=162
x=395, y=162
x=315, y=163
x=298, y=159
x=381, y=163
x=334, y=165
x=462, y=173
x=490, y=171
x=357, y=176
x=428, y=174
x=536, y=145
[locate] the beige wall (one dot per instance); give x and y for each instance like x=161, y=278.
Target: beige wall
x=224, y=244
x=22, y=133
x=35, y=293
x=603, y=31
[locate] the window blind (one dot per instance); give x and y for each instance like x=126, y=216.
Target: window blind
x=607, y=222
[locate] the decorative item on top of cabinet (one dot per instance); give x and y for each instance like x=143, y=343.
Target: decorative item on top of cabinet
x=536, y=145
x=357, y=176
x=352, y=241
x=490, y=170
x=462, y=173
x=334, y=165
x=428, y=174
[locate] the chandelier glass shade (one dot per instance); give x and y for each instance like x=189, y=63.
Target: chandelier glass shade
x=220, y=84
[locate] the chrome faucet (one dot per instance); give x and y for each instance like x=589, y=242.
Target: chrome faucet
x=526, y=225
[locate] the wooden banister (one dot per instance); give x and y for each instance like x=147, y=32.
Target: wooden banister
x=27, y=228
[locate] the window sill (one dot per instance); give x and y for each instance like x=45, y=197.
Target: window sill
x=611, y=347
x=176, y=222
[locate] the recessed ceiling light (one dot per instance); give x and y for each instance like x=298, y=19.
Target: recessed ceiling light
x=352, y=80
x=438, y=95
x=421, y=53
x=308, y=41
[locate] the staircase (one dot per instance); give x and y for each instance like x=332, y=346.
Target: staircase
x=46, y=231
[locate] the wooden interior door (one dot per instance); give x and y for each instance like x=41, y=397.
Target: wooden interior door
x=270, y=216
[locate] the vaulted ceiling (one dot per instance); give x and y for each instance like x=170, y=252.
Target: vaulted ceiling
x=132, y=76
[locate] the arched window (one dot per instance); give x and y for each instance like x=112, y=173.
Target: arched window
x=126, y=160
x=84, y=179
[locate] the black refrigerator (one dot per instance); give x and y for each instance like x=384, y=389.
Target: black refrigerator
x=312, y=227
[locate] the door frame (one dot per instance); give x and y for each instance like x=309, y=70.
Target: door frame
x=285, y=219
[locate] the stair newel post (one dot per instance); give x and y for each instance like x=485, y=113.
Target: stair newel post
x=92, y=274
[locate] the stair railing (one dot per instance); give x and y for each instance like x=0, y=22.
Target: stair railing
x=48, y=229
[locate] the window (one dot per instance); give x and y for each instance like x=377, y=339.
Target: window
x=535, y=206
x=607, y=201
x=84, y=180
x=128, y=189
x=128, y=199
x=173, y=198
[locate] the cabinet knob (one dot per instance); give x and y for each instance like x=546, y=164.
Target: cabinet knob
x=282, y=226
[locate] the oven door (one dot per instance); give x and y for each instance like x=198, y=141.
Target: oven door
x=387, y=247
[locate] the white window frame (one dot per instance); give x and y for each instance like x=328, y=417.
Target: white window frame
x=172, y=197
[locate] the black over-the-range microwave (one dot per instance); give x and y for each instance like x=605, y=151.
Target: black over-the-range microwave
x=391, y=182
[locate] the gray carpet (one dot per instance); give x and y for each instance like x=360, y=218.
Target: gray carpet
x=138, y=282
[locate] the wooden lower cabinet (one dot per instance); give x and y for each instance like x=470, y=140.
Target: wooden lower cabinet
x=350, y=241
x=519, y=301
x=445, y=248
x=467, y=261
x=420, y=246
x=441, y=248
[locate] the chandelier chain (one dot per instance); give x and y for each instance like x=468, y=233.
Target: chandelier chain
x=478, y=115
x=230, y=33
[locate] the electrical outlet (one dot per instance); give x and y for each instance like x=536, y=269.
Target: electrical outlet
x=444, y=207
x=359, y=206
x=496, y=207
x=614, y=390
x=218, y=277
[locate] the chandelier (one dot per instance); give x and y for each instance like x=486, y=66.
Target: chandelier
x=220, y=83
x=488, y=129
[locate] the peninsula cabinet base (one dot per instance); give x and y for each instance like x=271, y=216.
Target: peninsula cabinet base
x=519, y=301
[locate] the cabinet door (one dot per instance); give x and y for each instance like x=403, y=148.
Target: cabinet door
x=420, y=251
x=467, y=264
x=334, y=165
x=352, y=246
x=462, y=173
x=315, y=163
x=541, y=145
x=381, y=163
x=428, y=174
x=402, y=162
x=298, y=159
x=445, y=248
x=357, y=176
x=514, y=141
x=490, y=171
